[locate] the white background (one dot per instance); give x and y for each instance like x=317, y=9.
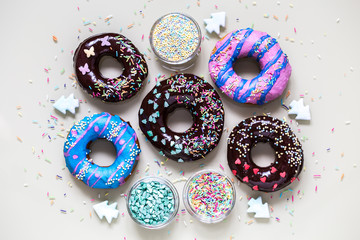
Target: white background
x=324, y=57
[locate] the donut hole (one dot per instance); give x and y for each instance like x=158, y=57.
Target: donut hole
x=179, y=120
x=247, y=68
x=102, y=152
x=262, y=154
x=109, y=67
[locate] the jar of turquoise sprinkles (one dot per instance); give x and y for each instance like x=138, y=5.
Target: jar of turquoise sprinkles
x=153, y=202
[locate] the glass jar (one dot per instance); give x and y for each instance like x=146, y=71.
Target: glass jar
x=209, y=196
x=175, y=39
x=136, y=193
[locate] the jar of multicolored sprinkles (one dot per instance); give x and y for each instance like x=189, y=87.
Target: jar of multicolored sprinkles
x=175, y=39
x=209, y=196
x=153, y=202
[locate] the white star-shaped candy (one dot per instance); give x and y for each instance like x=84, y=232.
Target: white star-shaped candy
x=66, y=104
x=256, y=206
x=213, y=24
x=108, y=211
x=302, y=112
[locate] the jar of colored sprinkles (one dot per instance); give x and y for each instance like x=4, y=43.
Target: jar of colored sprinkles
x=175, y=39
x=209, y=196
x=153, y=202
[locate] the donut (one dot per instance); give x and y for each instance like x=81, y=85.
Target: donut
x=205, y=106
x=275, y=68
x=288, y=153
x=86, y=62
x=113, y=129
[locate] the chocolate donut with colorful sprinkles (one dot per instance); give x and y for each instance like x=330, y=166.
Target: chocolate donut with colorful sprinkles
x=289, y=157
x=205, y=106
x=86, y=63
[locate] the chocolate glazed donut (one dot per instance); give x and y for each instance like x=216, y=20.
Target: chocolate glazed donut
x=86, y=63
x=205, y=106
x=288, y=153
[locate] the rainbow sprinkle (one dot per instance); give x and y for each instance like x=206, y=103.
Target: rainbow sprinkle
x=210, y=196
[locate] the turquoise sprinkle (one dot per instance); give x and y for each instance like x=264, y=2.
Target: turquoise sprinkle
x=151, y=203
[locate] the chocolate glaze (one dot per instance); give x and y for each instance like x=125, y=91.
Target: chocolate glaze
x=205, y=106
x=89, y=53
x=288, y=152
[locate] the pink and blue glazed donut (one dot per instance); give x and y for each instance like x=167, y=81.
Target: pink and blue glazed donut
x=113, y=129
x=275, y=68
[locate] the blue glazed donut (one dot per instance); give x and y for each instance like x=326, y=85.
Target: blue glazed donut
x=114, y=130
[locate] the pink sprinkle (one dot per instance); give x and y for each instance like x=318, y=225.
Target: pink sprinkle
x=295, y=30
x=47, y=80
x=142, y=38
x=292, y=198
x=222, y=167
x=316, y=188
x=96, y=128
x=54, y=117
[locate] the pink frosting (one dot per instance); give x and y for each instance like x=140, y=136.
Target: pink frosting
x=271, y=81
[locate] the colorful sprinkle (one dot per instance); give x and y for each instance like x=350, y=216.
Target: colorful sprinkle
x=175, y=37
x=210, y=196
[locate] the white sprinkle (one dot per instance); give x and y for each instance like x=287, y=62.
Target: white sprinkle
x=347, y=122
x=254, y=3
x=338, y=20
x=319, y=56
x=26, y=185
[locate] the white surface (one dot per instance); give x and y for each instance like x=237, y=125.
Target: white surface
x=324, y=56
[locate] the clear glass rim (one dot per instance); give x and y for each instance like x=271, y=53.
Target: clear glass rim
x=173, y=190
x=188, y=205
x=181, y=61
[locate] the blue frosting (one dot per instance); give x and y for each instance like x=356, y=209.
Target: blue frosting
x=111, y=128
